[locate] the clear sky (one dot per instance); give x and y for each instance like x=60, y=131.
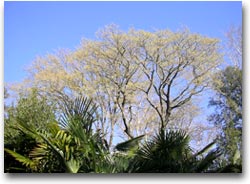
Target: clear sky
x=37, y=28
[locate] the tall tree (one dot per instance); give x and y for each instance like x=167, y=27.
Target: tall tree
x=138, y=79
x=177, y=67
x=228, y=117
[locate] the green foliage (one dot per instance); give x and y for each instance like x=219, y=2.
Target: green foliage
x=169, y=152
x=75, y=147
x=72, y=145
x=78, y=115
x=117, y=162
x=122, y=158
x=33, y=111
x=76, y=150
x=228, y=115
x=230, y=168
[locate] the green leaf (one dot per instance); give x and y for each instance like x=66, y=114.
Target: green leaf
x=205, y=149
x=24, y=160
x=130, y=144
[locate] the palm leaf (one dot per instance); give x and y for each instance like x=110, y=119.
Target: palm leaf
x=205, y=163
x=39, y=152
x=24, y=160
x=81, y=112
x=130, y=144
x=166, y=152
x=204, y=149
x=73, y=166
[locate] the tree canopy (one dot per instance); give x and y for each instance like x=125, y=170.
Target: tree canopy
x=140, y=80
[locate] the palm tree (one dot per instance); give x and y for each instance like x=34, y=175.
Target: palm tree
x=72, y=143
x=169, y=152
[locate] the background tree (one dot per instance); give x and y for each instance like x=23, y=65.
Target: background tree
x=233, y=45
x=6, y=95
x=228, y=117
x=228, y=99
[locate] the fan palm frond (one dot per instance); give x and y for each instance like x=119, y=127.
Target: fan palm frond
x=78, y=113
x=169, y=152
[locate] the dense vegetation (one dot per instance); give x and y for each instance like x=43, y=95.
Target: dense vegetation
x=140, y=86
x=72, y=145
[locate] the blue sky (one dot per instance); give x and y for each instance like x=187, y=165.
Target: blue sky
x=37, y=28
